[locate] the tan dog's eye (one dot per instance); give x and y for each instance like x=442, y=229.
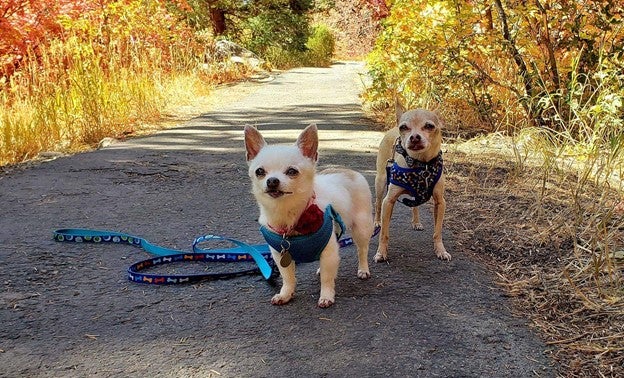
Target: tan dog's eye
x=403, y=127
x=292, y=172
x=260, y=172
x=429, y=126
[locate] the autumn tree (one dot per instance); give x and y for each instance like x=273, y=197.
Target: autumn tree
x=487, y=61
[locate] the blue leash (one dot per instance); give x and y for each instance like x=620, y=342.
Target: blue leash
x=243, y=252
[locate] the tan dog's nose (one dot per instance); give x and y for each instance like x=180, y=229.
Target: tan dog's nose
x=415, y=138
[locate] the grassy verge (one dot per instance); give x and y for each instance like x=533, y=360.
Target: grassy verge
x=554, y=236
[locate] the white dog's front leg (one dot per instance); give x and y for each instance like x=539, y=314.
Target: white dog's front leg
x=289, y=280
x=329, y=262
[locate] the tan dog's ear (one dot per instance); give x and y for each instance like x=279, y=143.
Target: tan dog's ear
x=399, y=110
x=308, y=142
x=440, y=120
x=253, y=142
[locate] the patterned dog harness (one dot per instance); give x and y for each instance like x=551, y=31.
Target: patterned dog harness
x=419, y=179
x=306, y=248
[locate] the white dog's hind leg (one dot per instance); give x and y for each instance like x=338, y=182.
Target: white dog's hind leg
x=362, y=231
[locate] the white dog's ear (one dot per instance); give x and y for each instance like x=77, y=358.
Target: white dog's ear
x=308, y=142
x=253, y=142
x=399, y=110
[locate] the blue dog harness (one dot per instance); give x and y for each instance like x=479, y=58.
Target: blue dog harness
x=419, y=179
x=306, y=248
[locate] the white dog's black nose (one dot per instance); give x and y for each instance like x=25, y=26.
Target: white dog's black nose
x=273, y=183
x=415, y=138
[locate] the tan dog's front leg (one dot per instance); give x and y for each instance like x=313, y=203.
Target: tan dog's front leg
x=328, y=270
x=380, y=190
x=386, y=152
x=438, y=218
x=387, y=208
x=289, y=280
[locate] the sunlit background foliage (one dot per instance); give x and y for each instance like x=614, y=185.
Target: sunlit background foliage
x=501, y=64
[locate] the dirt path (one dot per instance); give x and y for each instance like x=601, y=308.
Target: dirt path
x=68, y=309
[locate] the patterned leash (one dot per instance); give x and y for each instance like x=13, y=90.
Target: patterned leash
x=243, y=252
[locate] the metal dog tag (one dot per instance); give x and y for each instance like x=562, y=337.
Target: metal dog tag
x=286, y=259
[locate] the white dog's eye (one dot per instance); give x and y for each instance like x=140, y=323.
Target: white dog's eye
x=403, y=127
x=291, y=172
x=429, y=126
x=260, y=172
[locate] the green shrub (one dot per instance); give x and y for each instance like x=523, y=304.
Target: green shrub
x=318, y=51
x=282, y=58
x=321, y=45
x=284, y=29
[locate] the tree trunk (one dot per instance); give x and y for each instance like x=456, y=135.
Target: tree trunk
x=552, y=61
x=217, y=17
x=523, y=70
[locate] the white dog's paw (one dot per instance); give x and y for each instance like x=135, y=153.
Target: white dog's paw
x=363, y=274
x=281, y=299
x=418, y=226
x=325, y=302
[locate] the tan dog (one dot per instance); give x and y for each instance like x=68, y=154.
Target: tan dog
x=414, y=145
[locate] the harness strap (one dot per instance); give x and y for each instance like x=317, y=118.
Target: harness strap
x=419, y=180
x=308, y=247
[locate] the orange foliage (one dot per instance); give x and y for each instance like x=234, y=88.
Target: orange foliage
x=26, y=25
x=23, y=25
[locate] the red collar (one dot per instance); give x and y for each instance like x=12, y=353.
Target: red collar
x=309, y=221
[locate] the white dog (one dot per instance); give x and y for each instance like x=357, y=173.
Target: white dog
x=299, y=209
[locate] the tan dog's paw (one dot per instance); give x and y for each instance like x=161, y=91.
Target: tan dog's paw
x=380, y=257
x=280, y=299
x=325, y=302
x=418, y=226
x=440, y=251
x=363, y=274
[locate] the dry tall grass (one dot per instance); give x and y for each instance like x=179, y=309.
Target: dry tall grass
x=70, y=94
